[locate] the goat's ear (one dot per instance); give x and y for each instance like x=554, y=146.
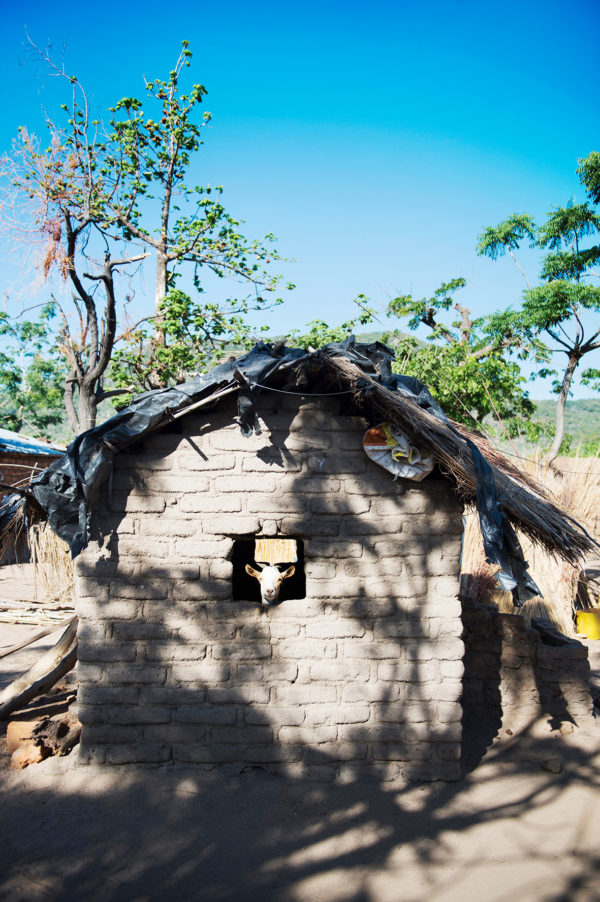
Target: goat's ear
x=289, y=572
x=251, y=571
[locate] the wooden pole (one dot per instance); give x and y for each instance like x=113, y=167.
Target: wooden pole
x=43, y=675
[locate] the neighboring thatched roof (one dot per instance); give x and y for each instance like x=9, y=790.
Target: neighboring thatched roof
x=361, y=375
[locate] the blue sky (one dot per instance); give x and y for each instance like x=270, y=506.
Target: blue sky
x=375, y=140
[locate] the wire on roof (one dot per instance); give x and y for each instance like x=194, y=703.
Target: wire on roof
x=303, y=394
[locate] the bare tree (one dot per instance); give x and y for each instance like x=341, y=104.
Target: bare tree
x=63, y=192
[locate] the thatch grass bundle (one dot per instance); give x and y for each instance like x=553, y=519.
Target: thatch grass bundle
x=12, y=525
x=547, y=520
x=52, y=565
x=556, y=578
x=575, y=486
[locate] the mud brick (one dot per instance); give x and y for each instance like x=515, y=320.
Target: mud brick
x=246, y=695
x=204, y=503
x=141, y=753
x=244, y=734
x=175, y=733
x=205, y=715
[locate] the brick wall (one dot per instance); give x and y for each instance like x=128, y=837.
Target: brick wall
x=513, y=677
x=17, y=469
x=361, y=677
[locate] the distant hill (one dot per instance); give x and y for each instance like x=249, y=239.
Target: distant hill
x=582, y=418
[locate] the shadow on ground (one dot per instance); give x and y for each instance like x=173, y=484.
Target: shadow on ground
x=508, y=830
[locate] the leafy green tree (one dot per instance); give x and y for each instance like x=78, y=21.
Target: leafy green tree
x=589, y=173
x=555, y=308
x=31, y=377
x=464, y=361
x=193, y=337
x=146, y=161
x=108, y=202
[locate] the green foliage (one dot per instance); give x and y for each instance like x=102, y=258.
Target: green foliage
x=506, y=236
x=31, y=377
x=464, y=362
x=553, y=303
x=582, y=423
x=423, y=311
x=147, y=158
x=566, y=226
x=321, y=334
x=591, y=377
x=197, y=337
x=589, y=449
x=122, y=193
x=468, y=388
x=555, y=307
x=589, y=173
x=564, y=265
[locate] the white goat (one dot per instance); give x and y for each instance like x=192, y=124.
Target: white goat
x=270, y=579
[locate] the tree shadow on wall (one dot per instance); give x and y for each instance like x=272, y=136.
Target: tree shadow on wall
x=386, y=632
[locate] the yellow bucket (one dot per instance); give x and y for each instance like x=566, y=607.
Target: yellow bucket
x=588, y=623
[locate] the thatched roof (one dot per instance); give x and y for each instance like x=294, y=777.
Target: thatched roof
x=522, y=499
x=361, y=376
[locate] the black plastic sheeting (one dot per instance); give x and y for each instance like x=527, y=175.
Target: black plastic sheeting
x=68, y=488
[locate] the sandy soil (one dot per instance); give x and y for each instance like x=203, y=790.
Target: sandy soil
x=509, y=830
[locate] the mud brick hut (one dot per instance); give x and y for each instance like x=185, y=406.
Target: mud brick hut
x=357, y=670
x=21, y=457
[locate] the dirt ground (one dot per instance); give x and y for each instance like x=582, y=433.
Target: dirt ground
x=509, y=830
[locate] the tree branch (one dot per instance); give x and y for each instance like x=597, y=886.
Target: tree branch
x=113, y=393
x=127, y=260
x=134, y=326
x=113, y=264
x=480, y=353
x=508, y=250
x=559, y=341
x=466, y=324
x=126, y=223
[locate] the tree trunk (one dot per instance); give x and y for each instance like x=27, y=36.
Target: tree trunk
x=574, y=358
x=160, y=292
x=70, y=404
x=87, y=408
x=81, y=405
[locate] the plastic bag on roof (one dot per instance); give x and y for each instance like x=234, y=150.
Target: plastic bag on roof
x=391, y=449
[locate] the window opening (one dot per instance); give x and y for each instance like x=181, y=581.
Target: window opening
x=247, y=588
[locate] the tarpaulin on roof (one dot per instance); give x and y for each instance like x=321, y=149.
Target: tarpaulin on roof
x=68, y=488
